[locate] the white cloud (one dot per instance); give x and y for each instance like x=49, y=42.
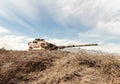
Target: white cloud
x=4, y=30
x=9, y=40
x=13, y=42
x=99, y=14
x=24, y=7
x=103, y=31
x=79, y=9
x=109, y=27
x=13, y=10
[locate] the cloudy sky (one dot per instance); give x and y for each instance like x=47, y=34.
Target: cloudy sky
x=60, y=22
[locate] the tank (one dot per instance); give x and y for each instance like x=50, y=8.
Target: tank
x=41, y=44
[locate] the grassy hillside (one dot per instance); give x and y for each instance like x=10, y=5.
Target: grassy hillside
x=58, y=67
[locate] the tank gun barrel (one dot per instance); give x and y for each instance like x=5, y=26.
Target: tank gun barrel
x=81, y=45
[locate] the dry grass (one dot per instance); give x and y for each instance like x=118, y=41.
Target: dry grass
x=58, y=67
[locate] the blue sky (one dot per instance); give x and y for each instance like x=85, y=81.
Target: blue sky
x=60, y=22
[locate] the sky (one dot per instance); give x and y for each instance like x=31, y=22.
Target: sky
x=62, y=22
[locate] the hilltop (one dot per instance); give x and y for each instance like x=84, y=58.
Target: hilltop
x=58, y=67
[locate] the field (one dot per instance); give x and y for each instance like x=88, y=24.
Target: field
x=58, y=67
